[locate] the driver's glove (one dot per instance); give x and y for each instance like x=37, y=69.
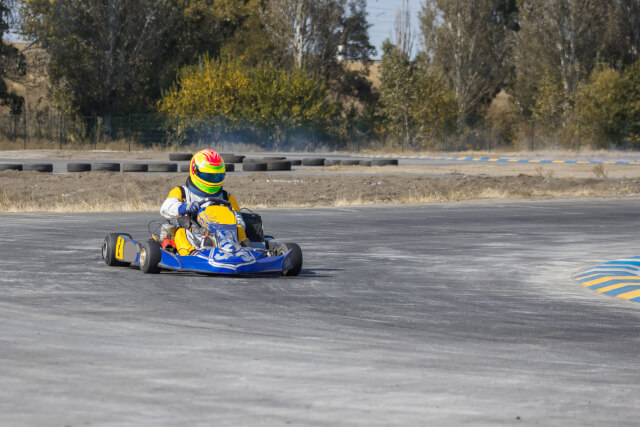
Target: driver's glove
x=189, y=208
x=239, y=219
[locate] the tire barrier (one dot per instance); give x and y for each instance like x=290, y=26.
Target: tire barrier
x=296, y=162
x=105, y=167
x=38, y=167
x=252, y=160
x=384, y=162
x=271, y=158
x=365, y=163
x=350, y=162
x=78, y=167
x=135, y=167
x=163, y=167
x=184, y=167
x=10, y=167
x=313, y=161
x=279, y=165
x=254, y=167
x=332, y=162
x=180, y=157
x=230, y=167
x=231, y=158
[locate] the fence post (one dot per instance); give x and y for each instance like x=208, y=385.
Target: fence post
x=268, y=132
x=95, y=132
x=446, y=131
x=578, y=135
x=359, y=134
x=533, y=130
x=626, y=134
x=61, y=119
x=314, y=140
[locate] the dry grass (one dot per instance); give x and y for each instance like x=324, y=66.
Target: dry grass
x=117, y=192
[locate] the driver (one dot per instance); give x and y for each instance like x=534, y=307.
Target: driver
x=206, y=175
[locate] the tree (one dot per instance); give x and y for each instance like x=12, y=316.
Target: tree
x=621, y=37
x=414, y=99
x=114, y=57
x=562, y=38
x=470, y=43
x=12, y=62
x=104, y=55
x=261, y=97
x=315, y=35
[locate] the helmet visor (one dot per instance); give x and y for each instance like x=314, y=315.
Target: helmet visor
x=214, y=178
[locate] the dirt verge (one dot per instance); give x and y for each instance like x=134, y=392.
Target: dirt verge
x=113, y=191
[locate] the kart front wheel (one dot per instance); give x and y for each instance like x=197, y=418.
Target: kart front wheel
x=109, y=250
x=150, y=256
x=296, y=258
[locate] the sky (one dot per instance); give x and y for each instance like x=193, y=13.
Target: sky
x=382, y=16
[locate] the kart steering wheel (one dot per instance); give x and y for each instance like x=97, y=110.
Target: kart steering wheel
x=214, y=201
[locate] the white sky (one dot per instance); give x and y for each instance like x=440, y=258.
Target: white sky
x=382, y=16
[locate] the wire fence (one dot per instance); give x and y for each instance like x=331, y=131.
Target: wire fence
x=132, y=132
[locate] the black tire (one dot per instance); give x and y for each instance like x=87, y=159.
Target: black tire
x=252, y=160
x=109, y=250
x=332, y=162
x=296, y=257
x=185, y=167
x=272, y=158
x=384, y=162
x=105, y=167
x=313, y=161
x=180, y=157
x=279, y=165
x=10, y=167
x=78, y=167
x=365, y=162
x=150, y=257
x=163, y=167
x=135, y=167
x=296, y=162
x=254, y=167
x=349, y=162
x=231, y=158
x=229, y=167
x=38, y=167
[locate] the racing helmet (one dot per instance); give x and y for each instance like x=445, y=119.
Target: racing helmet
x=207, y=171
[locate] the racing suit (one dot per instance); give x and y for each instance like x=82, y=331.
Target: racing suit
x=186, y=239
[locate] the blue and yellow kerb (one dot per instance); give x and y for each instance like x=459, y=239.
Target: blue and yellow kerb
x=620, y=278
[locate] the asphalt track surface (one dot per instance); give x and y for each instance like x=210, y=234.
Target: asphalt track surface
x=443, y=314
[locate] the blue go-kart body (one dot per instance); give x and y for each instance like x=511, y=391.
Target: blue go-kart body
x=232, y=259
x=219, y=251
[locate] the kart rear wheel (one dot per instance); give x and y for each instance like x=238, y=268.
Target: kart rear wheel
x=150, y=257
x=109, y=250
x=296, y=258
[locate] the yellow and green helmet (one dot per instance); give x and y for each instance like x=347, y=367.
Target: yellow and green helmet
x=207, y=171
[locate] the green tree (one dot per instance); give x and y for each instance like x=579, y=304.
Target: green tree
x=12, y=62
x=114, y=57
x=415, y=100
x=262, y=97
x=323, y=38
x=470, y=44
x=562, y=38
x=600, y=103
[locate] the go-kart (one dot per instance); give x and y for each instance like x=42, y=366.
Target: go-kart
x=215, y=225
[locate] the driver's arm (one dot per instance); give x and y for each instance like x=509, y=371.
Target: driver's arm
x=171, y=205
x=234, y=204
